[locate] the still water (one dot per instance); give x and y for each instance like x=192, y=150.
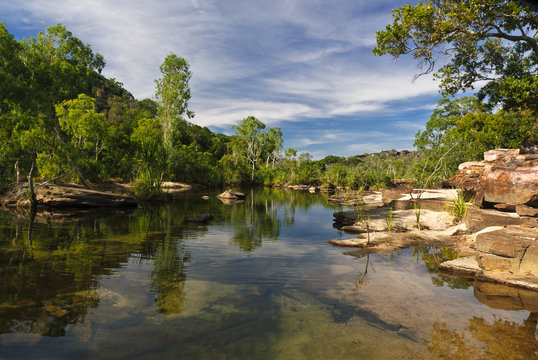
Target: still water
x=260, y=281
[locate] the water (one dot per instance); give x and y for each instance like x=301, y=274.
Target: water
x=260, y=281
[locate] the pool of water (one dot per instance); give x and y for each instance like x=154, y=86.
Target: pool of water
x=259, y=281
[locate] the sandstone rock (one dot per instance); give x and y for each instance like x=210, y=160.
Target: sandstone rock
x=478, y=219
x=529, y=263
x=506, y=249
x=231, y=195
x=504, y=177
x=512, y=186
x=499, y=154
x=464, y=266
x=524, y=210
x=490, y=262
x=511, y=241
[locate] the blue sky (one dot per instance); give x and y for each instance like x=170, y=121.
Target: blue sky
x=302, y=65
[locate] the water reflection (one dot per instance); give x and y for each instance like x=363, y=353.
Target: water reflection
x=498, y=339
x=432, y=257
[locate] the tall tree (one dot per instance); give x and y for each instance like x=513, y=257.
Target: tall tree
x=173, y=94
x=491, y=41
x=249, y=142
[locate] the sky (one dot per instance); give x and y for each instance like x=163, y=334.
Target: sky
x=305, y=66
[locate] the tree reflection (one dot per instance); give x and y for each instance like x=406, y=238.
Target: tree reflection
x=432, y=257
x=165, y=246
x=362, y=276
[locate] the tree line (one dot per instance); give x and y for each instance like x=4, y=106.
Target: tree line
x=60, y=118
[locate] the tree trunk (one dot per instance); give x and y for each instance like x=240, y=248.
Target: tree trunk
x=17, y=173
x=33, y=200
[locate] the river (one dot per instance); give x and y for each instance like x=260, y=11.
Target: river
x=259, y=281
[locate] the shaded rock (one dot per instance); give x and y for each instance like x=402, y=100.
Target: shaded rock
x=203, y=218
x=232, y=195
x=478, y=219
x=505, y=207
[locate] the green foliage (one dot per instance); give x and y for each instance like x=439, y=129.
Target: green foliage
x=458, y=208
x=390, y=217
x=460, y=131
x=489, y=41
x=151, y=154
x=173, y=94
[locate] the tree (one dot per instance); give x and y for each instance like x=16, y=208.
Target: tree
x=272, y=144
x=173, y=95
x=491, y=41
x=249, y=143
x=82, y=124
x=151, y=155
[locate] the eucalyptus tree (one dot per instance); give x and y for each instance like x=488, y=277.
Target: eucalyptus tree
x=173, y=95
x=249, y=142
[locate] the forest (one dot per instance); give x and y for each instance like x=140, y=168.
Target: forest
x=62, y=120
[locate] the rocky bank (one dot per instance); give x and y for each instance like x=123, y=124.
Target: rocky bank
x=497, y=237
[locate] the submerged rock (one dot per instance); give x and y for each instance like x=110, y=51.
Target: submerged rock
x=202, y=219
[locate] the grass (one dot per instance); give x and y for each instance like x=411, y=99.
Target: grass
x=390, y=217
x=458, y=208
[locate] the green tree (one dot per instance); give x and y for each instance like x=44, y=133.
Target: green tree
x=151, y=155
x=248, y=143
x=173, y=94
x=491, y=41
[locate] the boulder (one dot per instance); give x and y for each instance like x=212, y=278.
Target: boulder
x=506, y=176
x=231, y=195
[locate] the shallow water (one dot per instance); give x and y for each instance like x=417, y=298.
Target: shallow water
x=260, y=281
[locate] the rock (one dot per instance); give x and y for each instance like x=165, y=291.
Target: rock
x=231, y=195
x=529, y=262
x=313, y=189
x=203, y=218
x=67, y=197
x=478, y=219
x=205, y=197
x=512, y=186
x=524, y=210
x=505, y=207
x=506, y=248
x=464, y=266
x=171, y=185
x=506, y=176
